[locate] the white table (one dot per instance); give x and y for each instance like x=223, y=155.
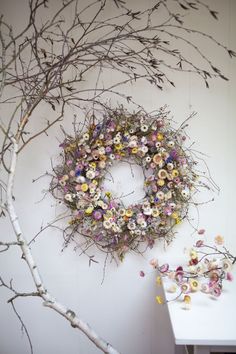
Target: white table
x=210, y=324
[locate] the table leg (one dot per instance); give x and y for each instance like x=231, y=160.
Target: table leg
x=199, y=349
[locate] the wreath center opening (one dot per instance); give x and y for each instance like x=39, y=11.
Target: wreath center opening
x=125, y=181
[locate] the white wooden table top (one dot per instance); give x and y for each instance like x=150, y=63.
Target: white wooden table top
x=209, y=321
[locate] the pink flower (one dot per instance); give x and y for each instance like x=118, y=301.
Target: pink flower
x=229, y=276
x=164, y=268
x=142, y=274
x=153, y=262
x=199, y=243
x=216, y=291
x=201, y=231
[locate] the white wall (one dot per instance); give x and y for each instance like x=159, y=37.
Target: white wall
x=123, y=308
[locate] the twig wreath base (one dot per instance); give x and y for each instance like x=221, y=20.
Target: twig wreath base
x=151, y=142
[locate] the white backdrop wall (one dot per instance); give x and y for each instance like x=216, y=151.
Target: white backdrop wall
x=123, y=308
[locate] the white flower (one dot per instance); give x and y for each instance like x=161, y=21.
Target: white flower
x=145, y=205
x=132, y=143
x=96, y=196
x=131, y=225
x=116, y=140
x=148, y=159
x=185, y=193
x=144, y=149
x=147, y=211
x=170, y=166
x=69, y=198
x=112, y=156
x=227, y=265
x=171, y=144
x=172, y=206
x=87, y=149
x=90, y=174
x=143, y=224
x=80, y=179
x=158, y=144
x=107, y=224
x=160, y=195
x=168, y=195
x=86, y=136
x=144, y=128
x=101, y=150
x=144, y=140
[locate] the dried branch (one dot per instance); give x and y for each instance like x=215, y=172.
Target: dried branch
x=42, y=292
x=49, y=62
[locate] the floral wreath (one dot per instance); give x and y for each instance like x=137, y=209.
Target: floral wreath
x=149, y=141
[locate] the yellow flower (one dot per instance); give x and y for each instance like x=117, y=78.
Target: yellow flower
x=194, y=284
x=178, y=221
x=100, y=203
x=93, y=165
x=175, y=173
x=84, y=187
x=158, y=280
x=193, y=254
x=95, y=182
x=160, y=182
x=108, y=215
x=102, y=157
x=134, y=150
x=108, y=194
x=119, y=146
x=65, y=178
x=98, y=142
x=155, y=212
x=160, y=136
x=89, y=210
x=187, y=299
x=175, y=215
x=129, y=213
x=159, y=300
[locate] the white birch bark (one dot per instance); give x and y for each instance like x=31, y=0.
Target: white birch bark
x=48, y=299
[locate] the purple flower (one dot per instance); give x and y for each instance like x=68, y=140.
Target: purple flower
x=108, y=149
x=174, y=154
x=97, y=215
x=98, y=237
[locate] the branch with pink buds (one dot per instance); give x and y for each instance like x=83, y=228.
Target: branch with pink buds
x=208, y=267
